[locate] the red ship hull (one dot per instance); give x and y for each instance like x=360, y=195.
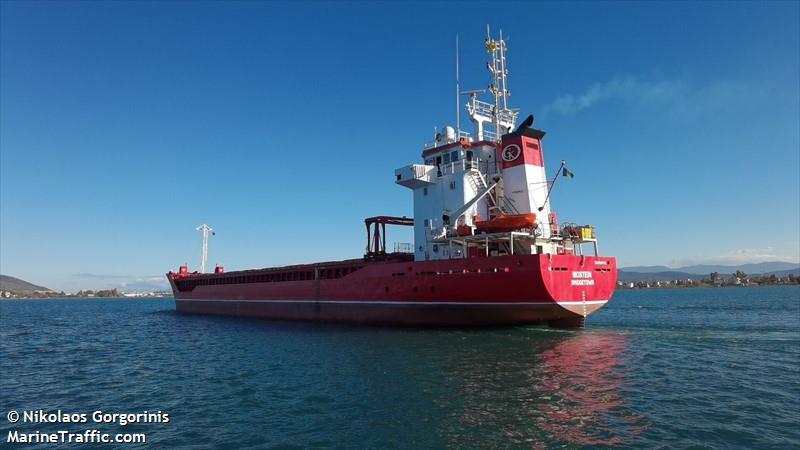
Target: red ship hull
x=502, y=290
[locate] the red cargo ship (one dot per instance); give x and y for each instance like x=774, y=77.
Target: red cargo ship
x=487, y=248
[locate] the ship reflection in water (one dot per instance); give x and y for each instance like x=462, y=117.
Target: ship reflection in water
x=569, y=391
x=580, y=379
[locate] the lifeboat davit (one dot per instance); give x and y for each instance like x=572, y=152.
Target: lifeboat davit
x=506, y=222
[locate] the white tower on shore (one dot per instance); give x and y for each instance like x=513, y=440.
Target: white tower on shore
x=205, y=229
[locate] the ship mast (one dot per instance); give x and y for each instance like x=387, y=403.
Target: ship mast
x=458, y=95
x=496, y=113
x=205, y=229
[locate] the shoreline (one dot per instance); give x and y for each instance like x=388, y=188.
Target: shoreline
x=705, y=286
x=66, y=297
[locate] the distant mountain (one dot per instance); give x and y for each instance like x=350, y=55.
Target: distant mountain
x=12, y=284
x=750, y=269
x=146, y=286
x=626, y=275
x=633, y=277
x=705, y=269
x=647, y=269
x=783, y=273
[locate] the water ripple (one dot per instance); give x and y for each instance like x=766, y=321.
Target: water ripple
x=718, y=368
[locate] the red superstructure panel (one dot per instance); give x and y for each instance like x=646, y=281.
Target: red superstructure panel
x=520, y=149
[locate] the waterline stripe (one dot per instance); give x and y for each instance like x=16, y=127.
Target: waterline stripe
x=400, y=302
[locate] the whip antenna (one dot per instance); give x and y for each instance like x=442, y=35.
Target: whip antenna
x=458, y=94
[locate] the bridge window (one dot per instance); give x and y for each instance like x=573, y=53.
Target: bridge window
x=454, y=156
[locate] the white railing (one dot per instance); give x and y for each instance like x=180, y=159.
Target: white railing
x=460, y=134
x=451, y=167
x=489, y=135
x=419, y=171
x=403, y=247
x=487, y=110
x=479, y=107
x=486, y=168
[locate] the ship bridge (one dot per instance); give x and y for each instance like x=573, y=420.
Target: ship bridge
x=486, y=192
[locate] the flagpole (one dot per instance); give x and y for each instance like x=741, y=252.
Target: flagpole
x=563, y=164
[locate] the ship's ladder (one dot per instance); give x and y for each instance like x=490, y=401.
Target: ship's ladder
x=479, y=184
x=507, y=207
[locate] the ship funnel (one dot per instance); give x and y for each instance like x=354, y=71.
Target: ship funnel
x=527, y=123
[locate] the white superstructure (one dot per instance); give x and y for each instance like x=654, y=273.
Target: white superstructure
x=471, y=186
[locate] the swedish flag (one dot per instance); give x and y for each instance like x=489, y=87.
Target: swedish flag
x=567, y=173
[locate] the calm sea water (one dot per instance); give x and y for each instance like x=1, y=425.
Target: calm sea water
x=715, y=368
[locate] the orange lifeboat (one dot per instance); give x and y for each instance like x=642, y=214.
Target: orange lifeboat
x=505, y=222
x=463, y=230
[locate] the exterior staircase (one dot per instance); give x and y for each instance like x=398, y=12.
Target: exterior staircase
x=497, y=204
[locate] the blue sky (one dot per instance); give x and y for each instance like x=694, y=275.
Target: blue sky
x=124, y=125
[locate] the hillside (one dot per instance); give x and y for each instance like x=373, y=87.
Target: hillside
x=8, y=283
x=628, y=275
x=705, y=269
x=758, y=268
